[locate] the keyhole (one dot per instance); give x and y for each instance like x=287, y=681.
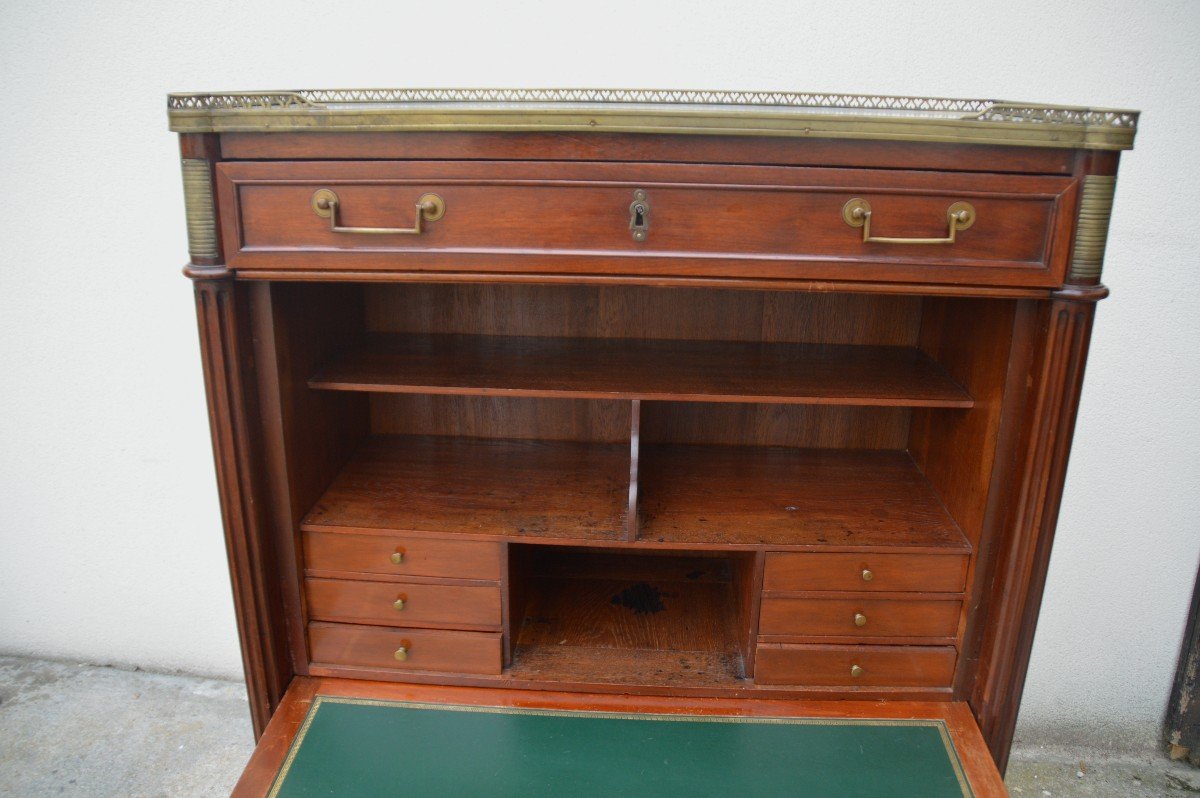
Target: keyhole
x=639, y=215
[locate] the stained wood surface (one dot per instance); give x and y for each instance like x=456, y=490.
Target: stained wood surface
x=889, y=572
x=705, y=220
x=715, y=371
x=786, y=497
x=526, y=418
x=350, y=554
x=885, y=616
x=645, y=668
x=425, y=605
x=428, y=649
x=892, y=666
x=498, y=487
x=273, y=748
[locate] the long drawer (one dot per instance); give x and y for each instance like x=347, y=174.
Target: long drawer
x=647, y=219
x=403, y=603
x=854, y=666
x=859, y=617
x=405, y=649
x=929, y=573
x=401, y=556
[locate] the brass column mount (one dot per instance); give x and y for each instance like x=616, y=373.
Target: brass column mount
x=1091, y=228
x=200, y=210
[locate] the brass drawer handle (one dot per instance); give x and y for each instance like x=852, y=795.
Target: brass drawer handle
x=401, y=653
x=857, y=213
x=430, y=208
x=398, y=604
x=856, y=671
x=397, y=558
x=868, y=575
x=860, y=619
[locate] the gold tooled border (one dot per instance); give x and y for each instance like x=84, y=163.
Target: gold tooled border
x=321, y=700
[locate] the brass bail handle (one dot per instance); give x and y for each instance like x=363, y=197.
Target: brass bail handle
x=430, y=208
x=857, y=213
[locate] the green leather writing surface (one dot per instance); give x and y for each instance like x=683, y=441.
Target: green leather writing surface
x=350, y=748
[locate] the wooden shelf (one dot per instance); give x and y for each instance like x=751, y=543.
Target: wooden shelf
x=594, y=368
x=511, y=488
x=805, y=498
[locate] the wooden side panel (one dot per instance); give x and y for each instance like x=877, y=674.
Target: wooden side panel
x=253, y=568
x=1032, y=498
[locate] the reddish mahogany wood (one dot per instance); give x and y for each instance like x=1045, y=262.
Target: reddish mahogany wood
x=511, y=488
x=889, y=572
x=774, y=222
x=819, y=498
x=891, y=666
x=886, y=616
x=420, y=555
x=427, y=649
x=714, y=371
x=316, y=145
x=424, y=605
x=269, y=756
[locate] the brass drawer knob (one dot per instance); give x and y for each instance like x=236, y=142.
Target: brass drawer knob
x=856, y=671
x=398, y=604
x=397, y=557
x=867, y=575
x=402, y=654
x=860, y=619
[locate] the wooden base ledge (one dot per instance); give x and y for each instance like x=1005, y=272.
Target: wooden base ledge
x=276, y=741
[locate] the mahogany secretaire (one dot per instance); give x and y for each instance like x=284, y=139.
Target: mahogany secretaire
x=738, y=404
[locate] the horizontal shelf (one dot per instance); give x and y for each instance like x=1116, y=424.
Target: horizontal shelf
x=606, y=368
x=507, y=488
x=690, y=496
x=774, y=496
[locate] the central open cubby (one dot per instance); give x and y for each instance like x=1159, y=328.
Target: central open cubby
x=659, y=618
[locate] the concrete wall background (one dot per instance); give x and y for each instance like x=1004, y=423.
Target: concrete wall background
x=110, y=542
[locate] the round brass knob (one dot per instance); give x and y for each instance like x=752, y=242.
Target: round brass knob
x=855, y=671
x=402, y=654
x=397, y=557
x=860, y=619
x=867, y=575
x=398, y=604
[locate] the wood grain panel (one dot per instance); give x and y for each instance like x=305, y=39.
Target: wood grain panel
x=797, y=426
x=892, y=666
x=889, y=572
x=449, y=606
x=718, y=371
x=885, y=616
x=427, y=649
x=422, y=556
x=521, y=418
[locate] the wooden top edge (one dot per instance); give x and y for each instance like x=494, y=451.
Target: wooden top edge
x=850, y=116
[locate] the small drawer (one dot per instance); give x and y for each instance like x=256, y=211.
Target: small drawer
x=402, y=555
x=920, y=573
x=403, y=603
x=404, y=649
x=651, y=219
x=854, y=666
x=859, y=617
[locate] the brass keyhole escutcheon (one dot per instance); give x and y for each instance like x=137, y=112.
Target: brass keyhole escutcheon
x=639, y=216
x=401, y=653
x=397, y=558
x=860, y=619
x=856, y=671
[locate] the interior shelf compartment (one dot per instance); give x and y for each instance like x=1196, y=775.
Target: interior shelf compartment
x=620, y=617
x=517, y=488
x=630, y=368
x=779, y=496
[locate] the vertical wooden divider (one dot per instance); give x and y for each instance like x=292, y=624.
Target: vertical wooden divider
x=631, y=514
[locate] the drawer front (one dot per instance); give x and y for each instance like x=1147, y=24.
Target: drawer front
x=403, y=603
x=922, y=573
x=837, y=666
x=719, y=221
x=423, y=649
x=872, y=617
x=400, y=556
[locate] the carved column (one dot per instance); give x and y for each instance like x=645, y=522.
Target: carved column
x=232, y=408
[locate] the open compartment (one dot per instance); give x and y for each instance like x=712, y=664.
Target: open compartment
x=610, y=616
